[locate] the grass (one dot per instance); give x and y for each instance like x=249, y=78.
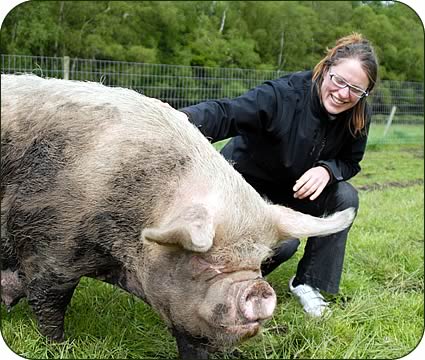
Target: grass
x=377, y=314
x=396, y=134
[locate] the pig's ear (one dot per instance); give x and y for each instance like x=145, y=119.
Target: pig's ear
x=295, y=224
x=192, y=229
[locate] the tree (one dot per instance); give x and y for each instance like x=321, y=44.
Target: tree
x=284, y=35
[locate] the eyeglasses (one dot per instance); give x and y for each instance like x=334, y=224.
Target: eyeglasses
x=341, y=83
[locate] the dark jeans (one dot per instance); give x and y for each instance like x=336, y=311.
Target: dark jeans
x=322, y=263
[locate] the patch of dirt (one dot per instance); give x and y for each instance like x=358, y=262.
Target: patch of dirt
x=390, y=184
x=415, y=152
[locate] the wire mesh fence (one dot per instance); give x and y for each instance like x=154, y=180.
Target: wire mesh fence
x=398, y=107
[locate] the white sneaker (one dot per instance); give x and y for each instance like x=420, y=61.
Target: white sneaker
x=310, y=298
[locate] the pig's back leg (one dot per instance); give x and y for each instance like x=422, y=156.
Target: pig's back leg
x=49, y=299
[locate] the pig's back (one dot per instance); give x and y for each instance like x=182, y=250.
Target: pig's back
x=91, y=147
x=36, y=106
x=79, y=123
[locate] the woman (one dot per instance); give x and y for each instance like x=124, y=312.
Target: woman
x=297, y=140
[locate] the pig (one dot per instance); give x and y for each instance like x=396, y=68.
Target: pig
x=111, y=184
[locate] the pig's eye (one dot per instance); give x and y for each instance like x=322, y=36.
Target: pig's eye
x=201, y=266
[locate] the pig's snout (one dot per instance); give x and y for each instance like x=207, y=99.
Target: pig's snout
x=236, y=308
x=257, y=301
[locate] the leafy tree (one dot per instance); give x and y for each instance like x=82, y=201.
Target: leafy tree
x=275, y=35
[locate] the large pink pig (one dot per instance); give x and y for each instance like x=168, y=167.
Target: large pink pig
x=108, y=183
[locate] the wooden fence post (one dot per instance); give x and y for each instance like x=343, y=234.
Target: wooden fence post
x=66, y=67
x=390, y=120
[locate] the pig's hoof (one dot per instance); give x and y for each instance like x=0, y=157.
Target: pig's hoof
x=52, y=334
x=57, y=338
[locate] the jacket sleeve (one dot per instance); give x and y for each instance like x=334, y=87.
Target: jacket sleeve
x=347, y=164
x=248, y=113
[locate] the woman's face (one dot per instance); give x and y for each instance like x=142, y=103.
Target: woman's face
x=341, y=84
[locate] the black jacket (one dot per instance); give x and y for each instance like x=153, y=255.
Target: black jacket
x=280, y=130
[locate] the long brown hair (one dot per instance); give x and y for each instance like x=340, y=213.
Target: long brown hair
x=353, y=46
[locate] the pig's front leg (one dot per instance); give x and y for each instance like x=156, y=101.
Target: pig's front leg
x=189, y=347
x=49, y=300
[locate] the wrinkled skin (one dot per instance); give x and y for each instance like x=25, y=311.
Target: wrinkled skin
x=110, y=184
x=230, y=303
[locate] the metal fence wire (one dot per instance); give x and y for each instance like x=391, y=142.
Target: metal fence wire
x=397, y=107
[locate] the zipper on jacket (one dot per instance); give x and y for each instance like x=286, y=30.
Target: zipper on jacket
x=322, y=146
x=322, y=143
x=314, y=142
x=317, y=149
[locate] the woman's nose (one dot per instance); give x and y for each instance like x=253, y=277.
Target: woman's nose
x=344, y=93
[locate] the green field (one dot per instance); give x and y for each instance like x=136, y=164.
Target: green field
x=396, y=134
x=377, y=314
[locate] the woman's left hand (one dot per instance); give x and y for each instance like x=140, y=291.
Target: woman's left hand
x=311, y=183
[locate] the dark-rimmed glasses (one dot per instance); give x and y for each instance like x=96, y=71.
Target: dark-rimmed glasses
x=341, y=83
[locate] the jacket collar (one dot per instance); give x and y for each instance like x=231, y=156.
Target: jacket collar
x=319, y=110
x=317, y=107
